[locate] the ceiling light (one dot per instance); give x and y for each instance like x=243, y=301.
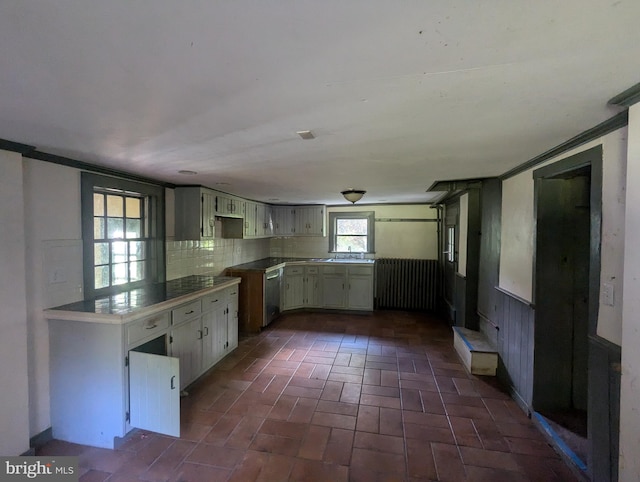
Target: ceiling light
x=186, y=172
x=353, y=195
x=306, y=135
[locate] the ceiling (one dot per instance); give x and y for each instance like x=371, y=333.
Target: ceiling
x=397, y=94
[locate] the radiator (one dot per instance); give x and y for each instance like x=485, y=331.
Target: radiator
x=407, y=284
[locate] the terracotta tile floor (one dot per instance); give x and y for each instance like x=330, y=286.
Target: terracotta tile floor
x=335, y=397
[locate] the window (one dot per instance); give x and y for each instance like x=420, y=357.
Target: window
x=123, y=233
x=351, y=232
x=451, y=244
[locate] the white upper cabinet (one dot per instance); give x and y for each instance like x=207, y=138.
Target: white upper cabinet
x=264, y=220
x=194, y=213
x=310, y=221
x=228, y=205
x=250, y=219
x=197, y=207
x=299, y=220
x=283, y=221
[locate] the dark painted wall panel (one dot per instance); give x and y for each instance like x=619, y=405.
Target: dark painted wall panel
x=491, y=207
x=604, y=412
x=510, y=319
x=460, y=294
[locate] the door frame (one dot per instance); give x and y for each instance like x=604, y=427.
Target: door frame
x=603, y=381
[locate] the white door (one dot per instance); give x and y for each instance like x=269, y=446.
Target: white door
x=293, y=289
x=333, y=290
x=232, y=319
x=312, y=290
x=208, y=215
x=186, y=344
x=154, y=393
x=361, y=292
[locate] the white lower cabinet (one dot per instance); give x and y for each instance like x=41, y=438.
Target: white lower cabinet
x=301, y=287
x=293, y=286
x=312, y=287
x=330, y=286
x=186, y=345
x=360, y=288
x=348, y=287
x=232, y=318
x=154, y=393
x=334, y=279
x=108, y=377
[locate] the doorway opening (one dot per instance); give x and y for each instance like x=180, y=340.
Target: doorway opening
x=562, y=303
x=449, y=259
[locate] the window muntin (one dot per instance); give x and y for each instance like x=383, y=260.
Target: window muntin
x=351, y=232
x=123, y=234
x=119, y=237
x=451, y=244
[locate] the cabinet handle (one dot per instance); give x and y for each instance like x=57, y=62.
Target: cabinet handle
x=151, y=327
x=214, y=301
x=199, y=335
x=206, y=331
x=173, y=386
x=189, y=312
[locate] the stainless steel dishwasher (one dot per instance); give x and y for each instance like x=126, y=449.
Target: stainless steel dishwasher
x=273, y=284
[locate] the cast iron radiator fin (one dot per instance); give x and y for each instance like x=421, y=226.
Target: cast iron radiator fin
x=407, y=284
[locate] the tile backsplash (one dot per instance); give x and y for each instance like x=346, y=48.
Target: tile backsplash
x=300, y=247
x=185, y=258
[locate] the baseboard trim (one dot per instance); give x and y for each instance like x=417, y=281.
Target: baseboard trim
x=577, y=466
x=41, y=439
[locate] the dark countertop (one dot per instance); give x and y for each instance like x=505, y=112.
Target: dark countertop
x=264, y=263
x=139, y=299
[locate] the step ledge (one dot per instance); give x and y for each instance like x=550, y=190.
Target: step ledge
x=475, y=340
x=477, y=354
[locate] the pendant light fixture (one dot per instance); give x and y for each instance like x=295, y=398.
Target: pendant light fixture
x=353, y=195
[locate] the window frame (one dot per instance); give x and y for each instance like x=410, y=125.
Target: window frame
x=333, y=231
x=153, y=203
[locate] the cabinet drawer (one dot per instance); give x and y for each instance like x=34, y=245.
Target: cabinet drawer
x=334, y=270
x=213, y=301
x=184, y=312
x=294, y=270
x=312, y=270
x=141, y=329
x=361, y=270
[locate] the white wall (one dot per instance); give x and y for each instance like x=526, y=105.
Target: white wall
x=14, y=390
x=630, y=381
x=518, y=230
x=393, y=239
x=54, y=266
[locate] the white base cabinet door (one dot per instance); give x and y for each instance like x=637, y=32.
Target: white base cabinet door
x=293, y=287
x=186, y=345
x=333, y=288
x=154, y=393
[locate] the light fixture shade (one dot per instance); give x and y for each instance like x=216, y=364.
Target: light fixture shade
x=353, y=195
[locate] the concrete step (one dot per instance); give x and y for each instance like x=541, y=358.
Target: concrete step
x=478, y=355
